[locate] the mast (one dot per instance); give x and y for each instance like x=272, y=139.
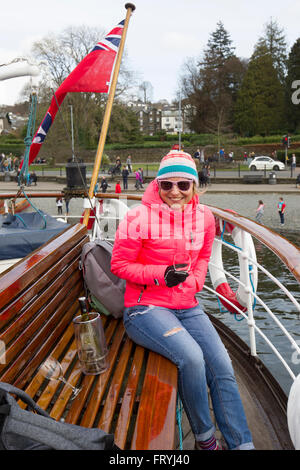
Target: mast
x=130, y=8
x=180, y=122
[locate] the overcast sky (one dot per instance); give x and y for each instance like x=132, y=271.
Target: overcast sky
x=162, y=34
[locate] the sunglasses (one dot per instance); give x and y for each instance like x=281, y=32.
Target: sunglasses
x=181, y=185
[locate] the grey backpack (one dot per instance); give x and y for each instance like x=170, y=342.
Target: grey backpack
x=24, y=430
x=104, y=290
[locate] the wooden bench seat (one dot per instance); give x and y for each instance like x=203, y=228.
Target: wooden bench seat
x=135, y=398
x=252, y=179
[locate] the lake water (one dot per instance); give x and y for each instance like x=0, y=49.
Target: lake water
x=277, y=302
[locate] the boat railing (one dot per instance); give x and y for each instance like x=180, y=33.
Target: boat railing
x=249, y=315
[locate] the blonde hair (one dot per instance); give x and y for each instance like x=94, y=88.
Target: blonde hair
x=196, y=190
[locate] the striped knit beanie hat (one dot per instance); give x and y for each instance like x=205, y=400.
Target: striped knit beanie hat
x=177, y=163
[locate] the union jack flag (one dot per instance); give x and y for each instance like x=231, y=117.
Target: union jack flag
x=92, y=74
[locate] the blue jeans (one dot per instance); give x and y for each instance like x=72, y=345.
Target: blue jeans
x=188, y=338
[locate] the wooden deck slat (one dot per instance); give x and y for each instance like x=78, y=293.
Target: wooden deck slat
x=58, y=271
x=115, y=387
x=48, y=393
x=152, y=430
x=46, y=348
x=81, y=400
x=34, y=265
x=128, y=399
x=101, y=382
x=39, y=378
x=52, y=296
x=65, y=395
x=25, y=345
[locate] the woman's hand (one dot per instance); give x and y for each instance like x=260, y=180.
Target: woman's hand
x=173, y=277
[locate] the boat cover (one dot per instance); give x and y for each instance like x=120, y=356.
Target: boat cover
x=21, y=234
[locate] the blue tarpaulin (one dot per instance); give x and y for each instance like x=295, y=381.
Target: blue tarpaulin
x=22, y=234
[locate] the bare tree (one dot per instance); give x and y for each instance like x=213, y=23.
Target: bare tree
x=146, y=90
x=63, y=52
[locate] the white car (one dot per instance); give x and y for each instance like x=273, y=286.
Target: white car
x=261, y=163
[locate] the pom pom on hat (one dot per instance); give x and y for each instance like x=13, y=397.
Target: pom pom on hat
x=179, y=164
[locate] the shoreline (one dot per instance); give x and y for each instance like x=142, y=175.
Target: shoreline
x=242, y=198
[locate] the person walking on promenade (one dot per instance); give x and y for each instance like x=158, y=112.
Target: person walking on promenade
x=197, y=154
x=128, y=163
x=138, y=179
x=125, y=174
x=281, y=210
x=202, y=175
x=260, y=212
x=59, y=205
x=104, y=185
x=293, y=163
x=169, y=231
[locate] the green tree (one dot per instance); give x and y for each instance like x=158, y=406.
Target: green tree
x=219, y=47
x=292, y=95
x=124, y=125
x=211, y=84
x=260, y=102
x=275, y=42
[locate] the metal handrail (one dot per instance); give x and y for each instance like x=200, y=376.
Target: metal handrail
x=254, y=295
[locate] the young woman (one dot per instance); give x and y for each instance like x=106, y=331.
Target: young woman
x=162, y=249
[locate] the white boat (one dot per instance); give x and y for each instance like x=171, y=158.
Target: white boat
x=273, y=415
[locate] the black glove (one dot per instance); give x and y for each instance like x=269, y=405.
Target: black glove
x=173, y=277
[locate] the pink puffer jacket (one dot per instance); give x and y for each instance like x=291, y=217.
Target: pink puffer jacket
x=145, y=244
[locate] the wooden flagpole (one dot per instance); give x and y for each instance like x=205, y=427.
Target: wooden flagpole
x=130, y=8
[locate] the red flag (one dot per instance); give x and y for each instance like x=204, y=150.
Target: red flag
x=92, y=74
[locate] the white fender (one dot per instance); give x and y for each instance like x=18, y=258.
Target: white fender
x=18, y=68
x=114, y=208
x=293, y=413
x=218, y=277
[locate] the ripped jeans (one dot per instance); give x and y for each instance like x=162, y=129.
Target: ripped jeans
x=188, y=338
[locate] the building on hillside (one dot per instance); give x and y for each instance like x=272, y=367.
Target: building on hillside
x=161, y=116
x=5, y=123
x=172, y=122
x=10, y=121
x=149, y=116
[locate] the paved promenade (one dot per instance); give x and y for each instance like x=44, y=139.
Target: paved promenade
x=243, y=198
x=45, y=186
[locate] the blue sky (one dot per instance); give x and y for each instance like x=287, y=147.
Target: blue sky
x=162, y=33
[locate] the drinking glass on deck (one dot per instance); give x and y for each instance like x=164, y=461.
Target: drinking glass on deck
x=52, y=370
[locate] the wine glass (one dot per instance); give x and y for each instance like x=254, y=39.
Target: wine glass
x=52, y=370
x=182, y=262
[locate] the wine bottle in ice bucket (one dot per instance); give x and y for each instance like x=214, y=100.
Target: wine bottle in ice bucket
x=90, y=340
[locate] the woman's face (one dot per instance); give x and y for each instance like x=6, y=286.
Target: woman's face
x=176, y=198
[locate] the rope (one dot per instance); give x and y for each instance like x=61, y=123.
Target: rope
x=37, y=210
x=74, y=158
x=179, y=419
x=24, y=176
